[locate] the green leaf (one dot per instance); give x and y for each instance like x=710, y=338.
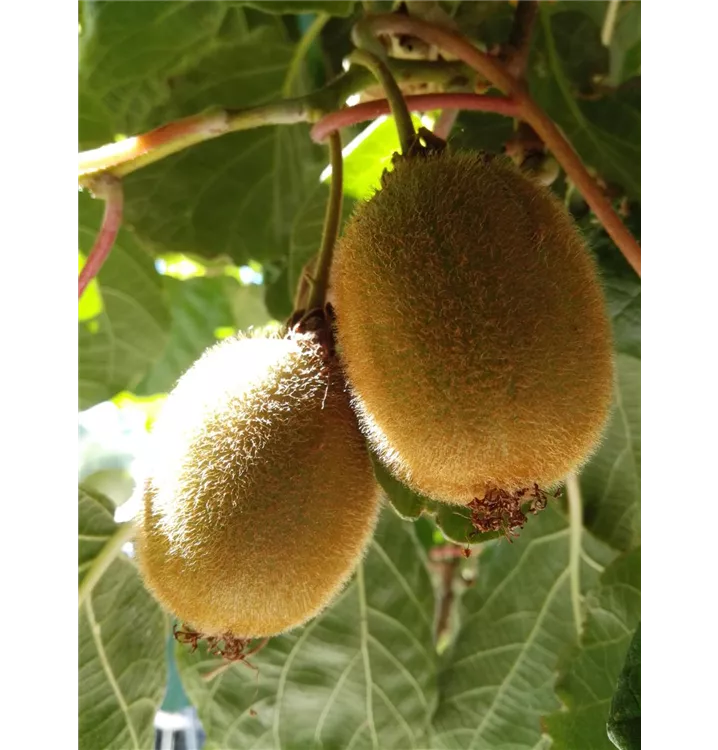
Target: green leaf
x=116, y=485
x=97, y=525
x=122, y=631
x=606, y=133
x=625, y=47
x=622, y=286
x=361, y=675
x=118, y=346
x=587, y=686
x=200, y=306
x=331, y=7
x=611, y=481
x=234, y=196
x=307, y=230
x=624, y=721
x=128, y=55
x=497, y=678
x=577, y=38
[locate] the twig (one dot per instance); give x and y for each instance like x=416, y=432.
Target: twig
x=133, y=153
x=332, y=221
x=462, y=48
x=109, y=189
x=139, y=151
x=518, y=47
x=417, y=103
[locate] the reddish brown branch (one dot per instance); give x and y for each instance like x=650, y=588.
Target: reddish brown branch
x=418, y=103
x=110, y=190
x=528, y=110
x=516, y=52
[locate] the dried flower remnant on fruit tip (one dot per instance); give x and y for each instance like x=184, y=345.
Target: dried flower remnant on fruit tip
x=228, y=646
x=500, y=510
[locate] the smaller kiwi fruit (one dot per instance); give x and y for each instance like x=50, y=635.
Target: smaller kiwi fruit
x=262, y=496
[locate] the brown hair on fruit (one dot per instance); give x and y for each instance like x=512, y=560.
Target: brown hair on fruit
x=472, y=328
x=262, y=496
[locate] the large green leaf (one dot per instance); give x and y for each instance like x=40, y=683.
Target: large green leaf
x=235, y=196
x=118, y=346
x=363, y=675
x=577, y=41
x=611, y=481
x=605, y=132
x=622, y=286
x=587, y=687
x=624, y=50
x=200, y=306
x=232, y=197
x=122, y=632
x=128, y=54
x=497, y=679
x=624, y=721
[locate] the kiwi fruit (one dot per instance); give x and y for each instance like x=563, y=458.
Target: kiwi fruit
x=472, y=328
x=262, y=497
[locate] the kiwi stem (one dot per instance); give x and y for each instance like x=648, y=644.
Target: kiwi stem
x=420, y=103
x=109, y=189
x=332, y=219
x=404, y=124
x=528, y=110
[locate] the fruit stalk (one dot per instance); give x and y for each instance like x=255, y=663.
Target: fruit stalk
x=110, y=190
x=529, y=111
x=330, y=231
x=404, y=125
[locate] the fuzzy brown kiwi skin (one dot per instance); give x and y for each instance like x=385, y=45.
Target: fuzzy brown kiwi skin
x=262, y=497
x=472, y=328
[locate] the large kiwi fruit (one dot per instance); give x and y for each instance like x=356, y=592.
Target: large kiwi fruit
x=472, y=327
